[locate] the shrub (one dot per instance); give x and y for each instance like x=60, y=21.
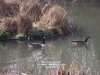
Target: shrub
x=20, y=35
x=9, y=25
x=4, y=34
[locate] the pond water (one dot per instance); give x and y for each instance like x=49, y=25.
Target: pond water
x=16, y=57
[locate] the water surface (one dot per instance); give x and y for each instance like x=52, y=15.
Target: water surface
x=16, y=57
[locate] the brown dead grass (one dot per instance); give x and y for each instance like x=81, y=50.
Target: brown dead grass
x=12, y=1
x=54, y=16
x=32, y=8
x=24, y=23
x=34, y=12
x=24, y=13
x=20, y=23
x=9, y=24
x=73, y=70
x=8, y=9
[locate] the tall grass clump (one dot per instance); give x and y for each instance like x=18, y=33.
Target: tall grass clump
x=19, y=24
x=8, y=9
x=9, y=25
x=32, y=8
x=72, y=70
x=24, y=23
x=23, y=16
x=55, y=17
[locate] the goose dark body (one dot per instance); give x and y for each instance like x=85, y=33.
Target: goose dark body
x=80, y=41
x=37, y=45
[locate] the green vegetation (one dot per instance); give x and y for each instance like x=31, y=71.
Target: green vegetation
x=4, y=34
x=35, y=20
x=20, y=35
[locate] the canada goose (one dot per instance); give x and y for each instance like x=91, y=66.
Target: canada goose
x=80, y=42
x=37, y=45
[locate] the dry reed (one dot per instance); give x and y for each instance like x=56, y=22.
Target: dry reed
x=24, y=23
x=18, y=24
x=8, y=9
x=54, y=16
x=24, y=13
x=31, y=8
x=73, y=70
x=9, y=24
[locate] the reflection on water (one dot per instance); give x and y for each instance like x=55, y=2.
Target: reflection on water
x=16, y=57
x=85, y=57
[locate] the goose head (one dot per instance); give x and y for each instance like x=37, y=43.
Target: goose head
x=86, y=39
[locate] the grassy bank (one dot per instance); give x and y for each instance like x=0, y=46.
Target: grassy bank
x=33, y=19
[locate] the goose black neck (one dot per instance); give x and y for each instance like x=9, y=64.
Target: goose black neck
x=44, y=40
x=86, y=39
